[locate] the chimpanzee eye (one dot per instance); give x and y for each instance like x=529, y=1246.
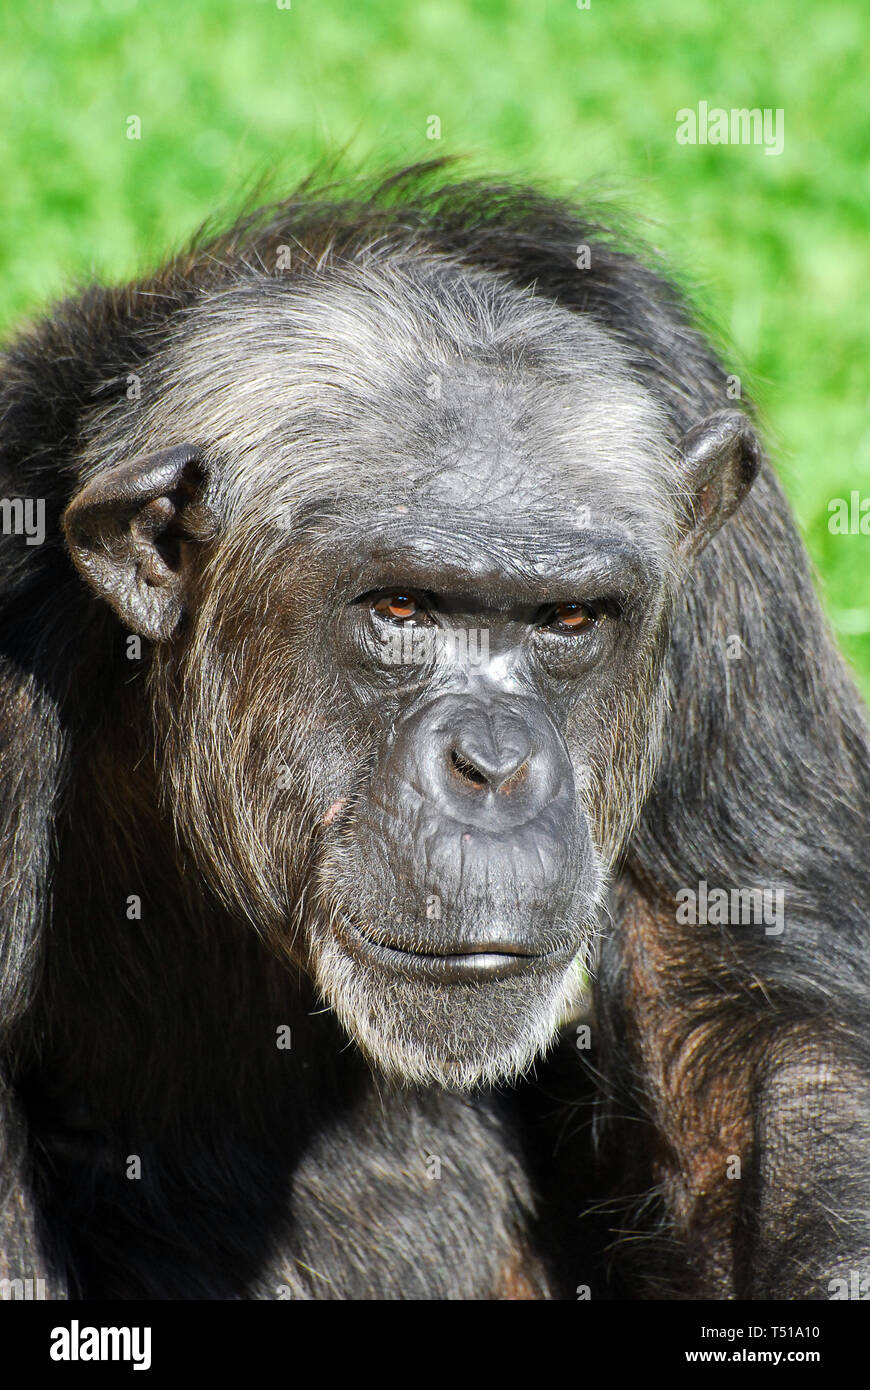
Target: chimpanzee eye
x=400, y=608
x=571, y=617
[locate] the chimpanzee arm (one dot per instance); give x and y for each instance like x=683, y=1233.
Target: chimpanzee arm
x=25, y=1272
x=808, y=1201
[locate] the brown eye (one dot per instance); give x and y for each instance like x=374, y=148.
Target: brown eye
x=571, y=617
x=399, y=607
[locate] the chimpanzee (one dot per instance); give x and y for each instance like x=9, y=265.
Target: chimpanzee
x=434, y=811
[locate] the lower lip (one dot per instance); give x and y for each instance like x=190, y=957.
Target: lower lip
x=458, y=969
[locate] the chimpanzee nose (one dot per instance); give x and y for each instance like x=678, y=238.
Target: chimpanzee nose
x=491, y=751
x=490, y=766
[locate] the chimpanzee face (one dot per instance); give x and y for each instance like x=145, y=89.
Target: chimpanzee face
x=475, y=640
x=408, y=592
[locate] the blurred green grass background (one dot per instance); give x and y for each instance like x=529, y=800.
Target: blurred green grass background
x=775, y=248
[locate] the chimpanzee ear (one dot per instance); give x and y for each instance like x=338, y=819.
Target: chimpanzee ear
x=721, y=458
x=131, y=533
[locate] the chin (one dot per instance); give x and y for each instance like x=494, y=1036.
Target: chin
x=430, y=1027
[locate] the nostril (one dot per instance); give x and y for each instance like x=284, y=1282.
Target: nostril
x=466, y=771
x=489, y=751
x=501, y=780
x=515, y=779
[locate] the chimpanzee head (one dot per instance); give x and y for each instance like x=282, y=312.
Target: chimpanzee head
x=404, y=540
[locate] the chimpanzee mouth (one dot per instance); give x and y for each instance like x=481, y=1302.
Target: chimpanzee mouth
x=467, y=963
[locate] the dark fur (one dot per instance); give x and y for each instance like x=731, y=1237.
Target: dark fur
x=264, y=1176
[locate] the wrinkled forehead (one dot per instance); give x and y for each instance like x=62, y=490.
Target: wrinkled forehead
x=388, y=385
